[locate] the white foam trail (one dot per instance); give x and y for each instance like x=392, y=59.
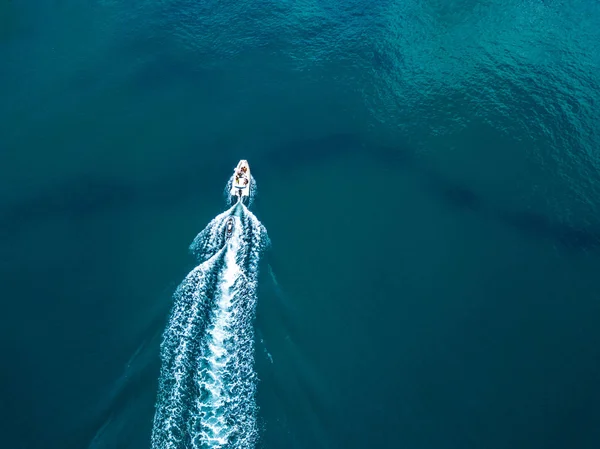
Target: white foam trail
x=216, y=377
x=226, y=408
x=212, y=238
x=208, y=383
x=179, y=351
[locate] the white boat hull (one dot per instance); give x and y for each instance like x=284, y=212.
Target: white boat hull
x=240, y=183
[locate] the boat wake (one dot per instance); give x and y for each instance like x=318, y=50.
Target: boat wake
x=207, y=383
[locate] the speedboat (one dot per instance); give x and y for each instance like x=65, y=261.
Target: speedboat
x=229, y=228
x=240, y=186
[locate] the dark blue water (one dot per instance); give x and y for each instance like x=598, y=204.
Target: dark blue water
x=428, y=174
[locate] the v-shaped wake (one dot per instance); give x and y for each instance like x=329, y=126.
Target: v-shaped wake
x=207, y=384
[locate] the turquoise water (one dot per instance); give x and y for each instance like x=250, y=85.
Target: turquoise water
x=428, y=176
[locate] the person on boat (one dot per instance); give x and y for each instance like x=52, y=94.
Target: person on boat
x=245, y=181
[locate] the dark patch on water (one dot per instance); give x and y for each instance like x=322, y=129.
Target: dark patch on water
x=456, y=195
x=538, y=226
x=76, y=198
x=395, y=157
x=84, y=196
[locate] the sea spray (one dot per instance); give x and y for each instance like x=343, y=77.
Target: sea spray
x=207, y=383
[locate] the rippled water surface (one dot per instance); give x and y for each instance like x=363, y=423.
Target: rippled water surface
x=429, y=176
